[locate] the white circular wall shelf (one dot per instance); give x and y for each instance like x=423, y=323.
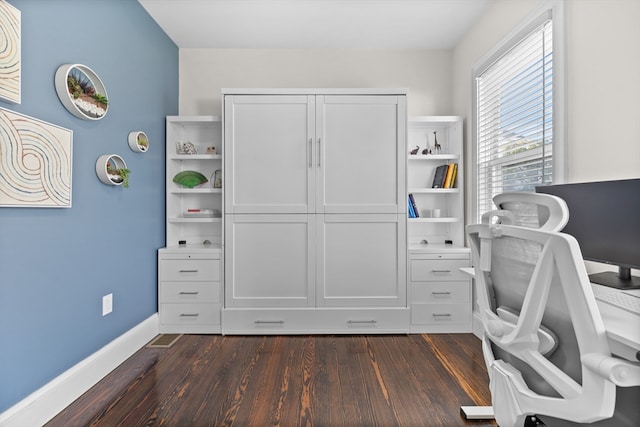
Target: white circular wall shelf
x=106, y=167
x=81, y=91
x=138, y=141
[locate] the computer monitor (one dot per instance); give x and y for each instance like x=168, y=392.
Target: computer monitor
x=604, y=217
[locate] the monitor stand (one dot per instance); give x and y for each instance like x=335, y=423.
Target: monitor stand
x=622, y=280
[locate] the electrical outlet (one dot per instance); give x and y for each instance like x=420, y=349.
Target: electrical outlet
x=107, y=304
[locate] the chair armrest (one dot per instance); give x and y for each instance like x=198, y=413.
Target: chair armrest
x=621, y=372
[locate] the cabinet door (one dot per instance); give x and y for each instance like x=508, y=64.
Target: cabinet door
x=268, y=260
x=360, y=154
x=269, y=154
x=361, y=260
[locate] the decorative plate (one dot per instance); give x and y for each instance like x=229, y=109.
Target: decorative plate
x=189, y=178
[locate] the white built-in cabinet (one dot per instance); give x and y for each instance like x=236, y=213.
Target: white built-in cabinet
x=315, y=211
x=440, y=295
x=190, y=267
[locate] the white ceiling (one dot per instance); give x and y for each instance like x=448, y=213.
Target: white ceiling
x=290, y=24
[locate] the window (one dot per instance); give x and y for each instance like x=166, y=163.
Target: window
x=514, y=115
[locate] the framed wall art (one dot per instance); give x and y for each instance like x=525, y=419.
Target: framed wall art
x=35, y=162
x=10, y=52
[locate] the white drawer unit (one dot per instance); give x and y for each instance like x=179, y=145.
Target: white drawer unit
x=440, y=294
x=189, y=289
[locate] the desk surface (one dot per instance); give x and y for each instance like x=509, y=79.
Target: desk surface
x=623, y=327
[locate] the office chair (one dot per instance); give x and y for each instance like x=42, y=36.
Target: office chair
x=544, y=356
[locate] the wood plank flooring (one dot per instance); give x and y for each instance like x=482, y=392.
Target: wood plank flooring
x=213, y=380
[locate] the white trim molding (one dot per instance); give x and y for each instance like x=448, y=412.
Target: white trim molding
x=554, y=9
x=43, y=404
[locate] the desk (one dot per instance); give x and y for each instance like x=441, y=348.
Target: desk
x=623, y=329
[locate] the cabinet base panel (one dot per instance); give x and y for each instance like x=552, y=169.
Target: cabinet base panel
x=307, y=321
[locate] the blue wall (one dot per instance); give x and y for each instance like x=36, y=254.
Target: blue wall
x=56, y=264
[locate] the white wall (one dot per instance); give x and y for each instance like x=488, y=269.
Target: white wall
x=602, y=82
x=603, y=78
x=425, y=73
x=603, y=52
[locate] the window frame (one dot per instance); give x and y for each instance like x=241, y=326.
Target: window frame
x=553, y=10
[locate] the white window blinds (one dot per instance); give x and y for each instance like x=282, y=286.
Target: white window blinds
x=514, y=119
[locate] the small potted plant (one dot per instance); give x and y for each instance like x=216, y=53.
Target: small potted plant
x=120, y=175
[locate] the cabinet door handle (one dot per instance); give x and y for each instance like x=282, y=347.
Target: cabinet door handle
x=319, y=152
x=188, y=271
x=441, y=271
x=370, y=322
x=440, y=293
x=310, y=152
x=269, y=322
x=189, y=293
x=441, y=314
x=188, y=314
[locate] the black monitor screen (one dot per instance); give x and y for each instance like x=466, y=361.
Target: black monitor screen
x=604, y=217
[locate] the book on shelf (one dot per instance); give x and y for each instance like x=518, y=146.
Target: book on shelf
x=447, y=179
x=454, y=176
x=439, y=176
x=410, y=210
x=412, y=200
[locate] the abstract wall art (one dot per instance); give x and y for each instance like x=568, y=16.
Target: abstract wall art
x=35, y=162
x=9, y=52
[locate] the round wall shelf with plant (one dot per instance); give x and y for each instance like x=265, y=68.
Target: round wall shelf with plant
x=138, y=141
x=81, y=91
x=112, y=170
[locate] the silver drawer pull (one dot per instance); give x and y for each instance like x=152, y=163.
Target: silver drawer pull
x=269, y=322
x=188, y=271
x=189, y=293
x=371, y=322
x=441, y=314
x=189, y=315
x=441, y=293
x=441, y=271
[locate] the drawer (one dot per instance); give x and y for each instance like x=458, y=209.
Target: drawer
x=315, y=321
x=433, y=314
x=441, y=292
x=190, y=270
x=190, y=292
x=186, y=254
x=190, y=314
x=438, y=270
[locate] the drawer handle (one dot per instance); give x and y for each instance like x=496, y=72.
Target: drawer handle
x=188, y=271
x=441, y=315
x=189, y=315
x=189, y=293
x=441, y=271
x=371, y=322
x=269, y=322
x=441, y=293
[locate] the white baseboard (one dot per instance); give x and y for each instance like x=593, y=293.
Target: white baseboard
x=477, y=325
x=43, y=404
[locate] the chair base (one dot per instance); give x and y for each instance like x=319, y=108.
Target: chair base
x=477, y=412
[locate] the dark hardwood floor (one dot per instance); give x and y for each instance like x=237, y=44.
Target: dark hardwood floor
x=213, y=380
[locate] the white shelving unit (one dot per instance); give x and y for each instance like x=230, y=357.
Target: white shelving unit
x=190, y=267
x=420, y=173
x=203, y=132
x=439, y=294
